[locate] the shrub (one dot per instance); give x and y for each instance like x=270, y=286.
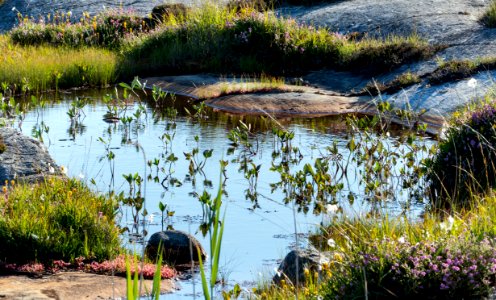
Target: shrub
x=105, y=30
x=457, y=269
x=56, y=219
x=465, y=162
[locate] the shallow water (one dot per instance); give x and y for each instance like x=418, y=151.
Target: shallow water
x=254, y=239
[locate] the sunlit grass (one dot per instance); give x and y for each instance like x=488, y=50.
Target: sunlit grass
x=489, y=17
x=56, y=219
x=42, y=68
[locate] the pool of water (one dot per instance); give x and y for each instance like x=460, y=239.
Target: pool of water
x=257, y=234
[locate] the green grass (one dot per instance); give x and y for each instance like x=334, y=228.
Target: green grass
x=39, y=68
x=221, y=40
x=56, y=219
x=207, y=39
x=489, y=17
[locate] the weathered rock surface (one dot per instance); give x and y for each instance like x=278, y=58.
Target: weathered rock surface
x=24, y=157
x=178, y=248
x=70, y=285
x=293, y=265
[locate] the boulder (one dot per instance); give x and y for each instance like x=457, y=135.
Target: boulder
x=177, y=247
x=310, y=259
x=24, y=158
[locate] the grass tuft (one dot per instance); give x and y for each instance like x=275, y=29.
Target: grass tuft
x=54, y=220
x=489, y=17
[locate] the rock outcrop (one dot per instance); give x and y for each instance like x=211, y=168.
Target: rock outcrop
x=294, y=264
x=24, y=158
x=178, y=248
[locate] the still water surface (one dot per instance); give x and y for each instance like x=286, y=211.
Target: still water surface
x=254, y=239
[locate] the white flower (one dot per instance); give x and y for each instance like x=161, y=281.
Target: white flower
x=331, y=243
x=51, y=170
x=448, y=225
x=401, y=240
x=63, y=169
x=472, y=83
x=331, y=208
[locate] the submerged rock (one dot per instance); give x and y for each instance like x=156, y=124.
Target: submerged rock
x=178, y=248
x=24, y=158
x=294, y=264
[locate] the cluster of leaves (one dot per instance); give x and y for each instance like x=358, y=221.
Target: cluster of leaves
x=56, y=219
x=465, y=162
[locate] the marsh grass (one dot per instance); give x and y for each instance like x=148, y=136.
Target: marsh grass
x=40, y=68
x=59, y=219
x=489, y=17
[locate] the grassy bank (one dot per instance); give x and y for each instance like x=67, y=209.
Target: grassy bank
x=221, y=40
x=59, y=219
x=39, y=68
x=64, y=52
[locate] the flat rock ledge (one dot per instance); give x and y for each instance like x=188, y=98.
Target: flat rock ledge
x=250, y=97
x=71, y=285
x=24, y=158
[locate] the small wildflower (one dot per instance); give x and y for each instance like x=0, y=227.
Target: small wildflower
x=401, y=240
x=472, y=83
x=331, y=243
x=4, y=189
x=63, y=169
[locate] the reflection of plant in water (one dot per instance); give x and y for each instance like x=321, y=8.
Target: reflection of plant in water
x=196, y=164
x=134, y=200
x=166, y=215
x=110, y=155
x=389, y=166
x=76, y=115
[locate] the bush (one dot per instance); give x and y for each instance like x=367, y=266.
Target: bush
x=56, y=219
x=465, y=162
x=104, y=30
x=457, y=269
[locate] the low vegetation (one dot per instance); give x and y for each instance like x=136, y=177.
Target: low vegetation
x=61, y=51
x=489, y=17
x=59, y=219
x=39, y=68
x=464, y=166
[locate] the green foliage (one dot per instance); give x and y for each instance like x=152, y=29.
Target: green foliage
x=104, y=30
x=215, y=228
x=489, y=17
x=222, y=40
x=36, y=69
x=465, y=163
x=56, y=219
